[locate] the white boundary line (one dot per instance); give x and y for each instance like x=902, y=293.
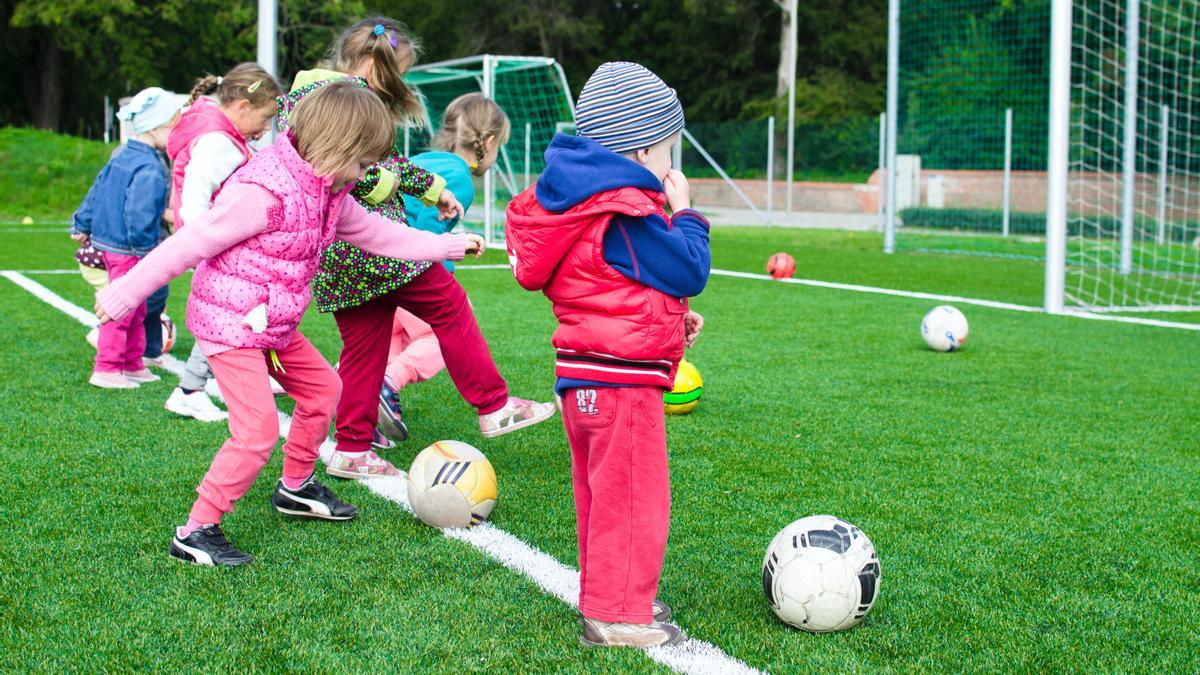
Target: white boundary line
x=553, y=577
x=961, y=300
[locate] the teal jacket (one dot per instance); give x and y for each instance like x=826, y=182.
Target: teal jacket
x=458, y=180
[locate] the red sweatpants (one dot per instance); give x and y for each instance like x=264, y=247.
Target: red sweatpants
x=254, y=420
x=436, y=298
x=622, y=498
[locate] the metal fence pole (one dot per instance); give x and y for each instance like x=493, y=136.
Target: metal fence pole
x=791, y=131
x=406, y=153
x=528, y=147
x=489, y=182
x=1164, y=135
x=677, y=154
x=882, y=167
x=1129, y=163
x=1008, y=131
x=893, y=95
x=770, y=170
x=1058, y=154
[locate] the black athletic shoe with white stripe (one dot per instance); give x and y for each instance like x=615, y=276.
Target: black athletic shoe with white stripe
x=311, y=500
x=207, y=545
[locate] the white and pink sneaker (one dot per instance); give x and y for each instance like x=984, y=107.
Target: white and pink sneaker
x=516, y=414
x=359, y=465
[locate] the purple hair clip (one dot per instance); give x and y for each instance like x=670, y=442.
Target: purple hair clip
x=395, y=42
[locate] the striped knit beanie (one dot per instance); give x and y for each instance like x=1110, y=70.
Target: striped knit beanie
x=625, y=107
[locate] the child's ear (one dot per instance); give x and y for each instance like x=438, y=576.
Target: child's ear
x=491, y=143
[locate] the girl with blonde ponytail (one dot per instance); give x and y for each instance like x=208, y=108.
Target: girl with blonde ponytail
x=364, y=291
x=211, y=141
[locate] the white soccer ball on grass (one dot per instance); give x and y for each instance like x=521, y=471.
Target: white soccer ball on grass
x=821, y=574
x=944, y=328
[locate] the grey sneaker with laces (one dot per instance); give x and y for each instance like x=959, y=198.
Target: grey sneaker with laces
x=597, y=633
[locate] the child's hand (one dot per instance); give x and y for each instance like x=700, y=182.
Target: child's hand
x=101, y=314
x=476, y=244
x=692, y=323
x=679, y=193
x=80, y=238
x=448, y=206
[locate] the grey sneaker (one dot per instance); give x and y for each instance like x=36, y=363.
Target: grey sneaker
x=597, y=633
x=662, y=611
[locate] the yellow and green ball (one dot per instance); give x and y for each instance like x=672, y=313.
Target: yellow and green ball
x=684, y=396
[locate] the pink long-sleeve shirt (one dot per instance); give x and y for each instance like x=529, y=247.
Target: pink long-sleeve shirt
x=240, y=214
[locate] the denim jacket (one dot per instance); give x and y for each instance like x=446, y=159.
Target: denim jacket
x=123, y=209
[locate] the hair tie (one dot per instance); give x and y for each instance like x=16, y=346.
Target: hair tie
x=254, y=87
x=379, y=29
x=220, y=79
x=473, y=165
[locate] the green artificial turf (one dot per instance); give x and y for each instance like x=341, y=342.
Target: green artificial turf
x=1032, y=497
x=45, y=175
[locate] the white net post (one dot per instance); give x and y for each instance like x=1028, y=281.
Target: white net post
x=1164, y=126
x=1059, y=144
x=771, y=170
x=1129, y=146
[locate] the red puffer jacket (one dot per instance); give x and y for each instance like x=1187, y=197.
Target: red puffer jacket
x=611, y=328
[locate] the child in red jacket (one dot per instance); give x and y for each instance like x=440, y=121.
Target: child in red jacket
x=594, y=236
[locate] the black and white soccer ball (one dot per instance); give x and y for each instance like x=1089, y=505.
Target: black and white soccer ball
x=821, y=574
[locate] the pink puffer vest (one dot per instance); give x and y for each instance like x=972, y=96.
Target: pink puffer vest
x=202, y=118
x=273, y=268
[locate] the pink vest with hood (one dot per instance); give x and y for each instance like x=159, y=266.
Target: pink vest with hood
x=272, y=268
x=201, y=118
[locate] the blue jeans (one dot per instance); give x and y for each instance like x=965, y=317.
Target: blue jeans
x=155, y=305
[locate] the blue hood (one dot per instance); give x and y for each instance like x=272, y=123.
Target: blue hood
x=578, y=167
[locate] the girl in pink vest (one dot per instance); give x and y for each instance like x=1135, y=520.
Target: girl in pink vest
x=256, y=251
x=209, y=143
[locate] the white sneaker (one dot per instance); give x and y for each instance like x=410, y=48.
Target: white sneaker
x=597, y=633
x=196, y=404
x=111, y=381
x=141, y=376
x=152, y=362
x=517, y=413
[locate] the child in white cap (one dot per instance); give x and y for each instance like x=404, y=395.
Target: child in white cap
x=121, y=217
x=609, y=235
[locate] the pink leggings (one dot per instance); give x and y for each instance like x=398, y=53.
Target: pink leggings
x=414, y=355
x=254, y=420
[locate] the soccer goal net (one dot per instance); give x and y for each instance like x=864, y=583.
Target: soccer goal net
x=534, y=94
x=1133, y=194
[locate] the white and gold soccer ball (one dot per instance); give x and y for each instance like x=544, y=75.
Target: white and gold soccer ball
x=451, y=484
x=944, y=328
x=821, y=574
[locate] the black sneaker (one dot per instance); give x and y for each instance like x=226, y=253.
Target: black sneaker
x=391, y=413
x=207, y=545
x=311, y=500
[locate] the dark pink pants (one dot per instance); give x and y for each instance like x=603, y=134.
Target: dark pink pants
x=436, y=298
x=121, y=343
x=622, y=498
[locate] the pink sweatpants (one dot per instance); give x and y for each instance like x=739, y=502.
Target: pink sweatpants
x=121, y=343
x=414, y=355
x=254, y=421
x=622, y=498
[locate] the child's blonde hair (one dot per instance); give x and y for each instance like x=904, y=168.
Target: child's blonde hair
x=469, y=121
x=392, y=52
x=341, y=123
x=246, y=81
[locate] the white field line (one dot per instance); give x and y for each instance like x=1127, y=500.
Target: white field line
x=1079, y=314
x=553, y=577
